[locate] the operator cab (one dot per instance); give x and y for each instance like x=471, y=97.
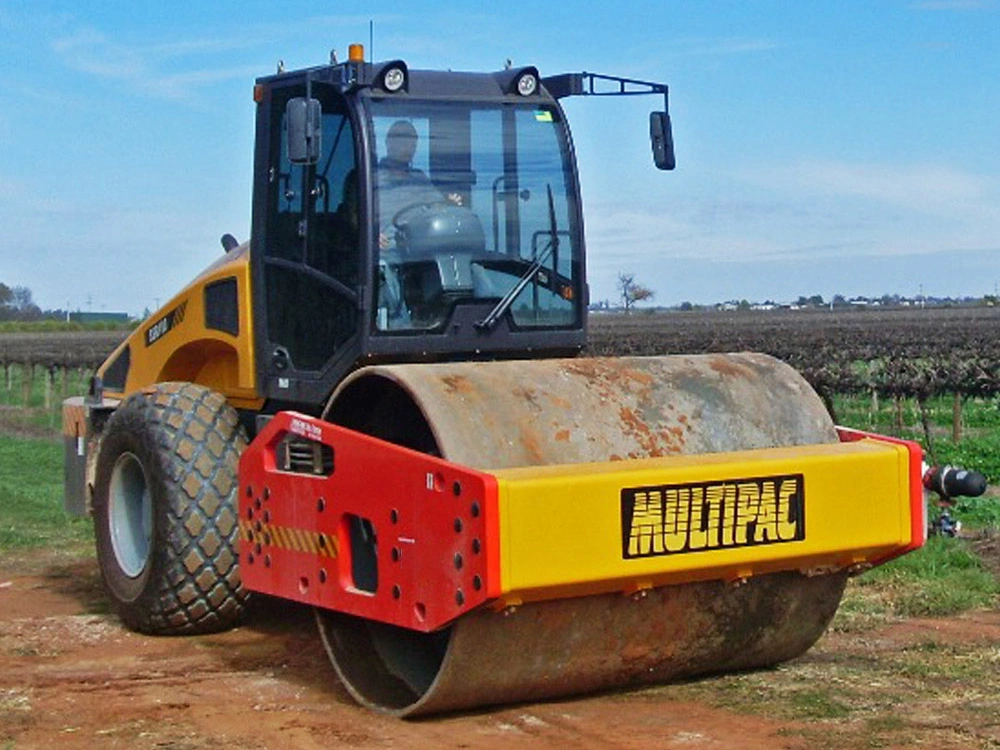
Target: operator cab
x=407, y=216
x=468, y=196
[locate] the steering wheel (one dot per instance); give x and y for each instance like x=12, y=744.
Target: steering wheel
x=397, y=219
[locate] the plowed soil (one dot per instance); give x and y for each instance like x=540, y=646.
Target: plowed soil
x=72, y=677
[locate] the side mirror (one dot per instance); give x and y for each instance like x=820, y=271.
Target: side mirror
x=661, y=138
x=304, y=118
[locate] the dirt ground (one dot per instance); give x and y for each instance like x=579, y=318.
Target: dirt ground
x=72, y=677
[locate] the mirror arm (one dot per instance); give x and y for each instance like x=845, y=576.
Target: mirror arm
x=598, y=84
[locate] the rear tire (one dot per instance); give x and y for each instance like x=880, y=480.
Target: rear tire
x=165, y=512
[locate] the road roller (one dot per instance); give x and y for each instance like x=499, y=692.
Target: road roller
x=375, y=407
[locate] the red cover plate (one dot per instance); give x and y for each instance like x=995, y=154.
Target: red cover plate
x=435, y=554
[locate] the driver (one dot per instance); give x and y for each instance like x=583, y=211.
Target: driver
x=400, y=184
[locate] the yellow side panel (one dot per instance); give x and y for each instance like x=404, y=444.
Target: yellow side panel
x=175, y=344
x=569, y=530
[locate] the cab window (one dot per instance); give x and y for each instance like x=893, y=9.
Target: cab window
x=313, y=244
x=474, y=202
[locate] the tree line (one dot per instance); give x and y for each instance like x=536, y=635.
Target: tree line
x=16, y=303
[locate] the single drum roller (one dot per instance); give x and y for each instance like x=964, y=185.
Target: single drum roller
x=515, y=414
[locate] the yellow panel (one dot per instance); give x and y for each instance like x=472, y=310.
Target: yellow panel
x=563, y=530
x=174, y=343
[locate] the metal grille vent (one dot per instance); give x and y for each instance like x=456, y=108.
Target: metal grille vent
x=302, y=456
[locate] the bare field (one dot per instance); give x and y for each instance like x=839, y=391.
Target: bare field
x=72, y=677
x=784, y=333
x=796, y=333
x=59, y=349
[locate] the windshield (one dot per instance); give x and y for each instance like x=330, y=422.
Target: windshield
x=474, y=203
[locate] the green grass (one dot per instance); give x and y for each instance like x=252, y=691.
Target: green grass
x=850, y=691
x=979, y=512
x=55, y=326
x=945, y=576
x=817, y=704
x=34, y=416
x=942, y=578
x=31, y=498
x=979, y=448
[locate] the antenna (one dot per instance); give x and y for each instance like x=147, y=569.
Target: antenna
x=371, y=40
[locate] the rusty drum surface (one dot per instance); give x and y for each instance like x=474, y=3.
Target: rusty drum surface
x=527, y=413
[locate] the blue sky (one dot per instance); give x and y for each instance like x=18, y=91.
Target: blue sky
x=834, y=147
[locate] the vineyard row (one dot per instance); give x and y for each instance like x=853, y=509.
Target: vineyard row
x=28, y=385
x=915, y=354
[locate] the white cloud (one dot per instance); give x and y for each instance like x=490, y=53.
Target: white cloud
x=90, y=51
x=178, y=69
x=803, y=215
x=151, y=70
x=725, y=46
x=931, y=188
x=66, y=247
x=618, y=234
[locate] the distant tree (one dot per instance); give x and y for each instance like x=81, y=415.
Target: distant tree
x=632, y=291
x=686, y=307
x=16, y=304
x=838, y=300
x=815, y=300
x=744, y=304
x=21, y=298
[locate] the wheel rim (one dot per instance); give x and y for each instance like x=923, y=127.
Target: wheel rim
x=130, y=515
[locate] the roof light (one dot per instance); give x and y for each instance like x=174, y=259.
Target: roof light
x=527, y=84
x=356, y=53
x=393, y=80
x=391, y=76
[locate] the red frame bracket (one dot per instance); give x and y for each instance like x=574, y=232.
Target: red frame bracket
x=435, y=523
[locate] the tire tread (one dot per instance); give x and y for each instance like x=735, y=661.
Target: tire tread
x=195, y=585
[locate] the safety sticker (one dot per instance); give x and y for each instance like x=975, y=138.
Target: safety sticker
x=265, y=536
x=543, y=115
x=173, y=318
x=681, y=518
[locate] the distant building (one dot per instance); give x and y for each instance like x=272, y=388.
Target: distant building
x=98, y=317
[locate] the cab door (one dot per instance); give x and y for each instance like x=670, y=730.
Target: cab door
x=308, y=262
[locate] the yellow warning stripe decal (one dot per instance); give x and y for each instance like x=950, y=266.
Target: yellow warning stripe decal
x=288, y=538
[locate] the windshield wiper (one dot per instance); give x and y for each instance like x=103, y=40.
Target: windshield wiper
x=490, y=321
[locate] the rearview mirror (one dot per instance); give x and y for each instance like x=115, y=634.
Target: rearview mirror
x=661, y=138
x=304, y=118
